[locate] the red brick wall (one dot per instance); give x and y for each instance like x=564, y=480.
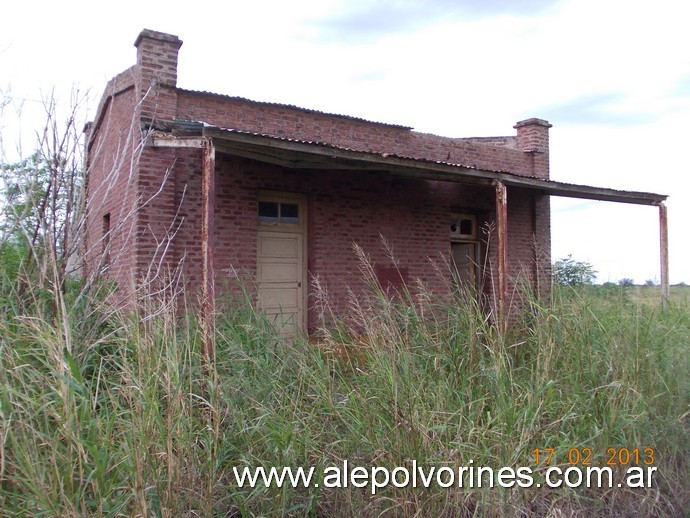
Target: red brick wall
x=112, y=189
x=529, y=258
x=129, y=182
x=156, y=225
x=301, y=124
x=344, y=208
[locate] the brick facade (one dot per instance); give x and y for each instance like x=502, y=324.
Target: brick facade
x=152, y=196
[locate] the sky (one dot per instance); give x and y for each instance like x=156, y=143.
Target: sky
x=612, y=76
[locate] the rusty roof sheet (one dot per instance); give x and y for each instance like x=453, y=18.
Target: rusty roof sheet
x=449, y=170
x=342, y=148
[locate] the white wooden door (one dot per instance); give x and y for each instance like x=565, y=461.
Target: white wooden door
x=281, y=260
x=280, y=267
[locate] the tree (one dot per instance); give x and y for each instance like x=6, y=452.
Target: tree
x=569, y=272
x=627, y=282
x=40, y=198
x=36, y=199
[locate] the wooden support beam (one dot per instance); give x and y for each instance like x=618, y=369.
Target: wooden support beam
x=208, y=198
x=502, y=229
x=165, y=140
x=208, y=305
x=663, y=234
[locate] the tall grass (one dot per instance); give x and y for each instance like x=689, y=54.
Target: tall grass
x=107, y=414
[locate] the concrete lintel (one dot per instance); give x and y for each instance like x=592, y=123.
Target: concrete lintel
x=172, y=141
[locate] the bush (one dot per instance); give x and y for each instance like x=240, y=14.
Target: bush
x=569, y=272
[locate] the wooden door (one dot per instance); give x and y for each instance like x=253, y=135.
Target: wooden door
x=280, y=271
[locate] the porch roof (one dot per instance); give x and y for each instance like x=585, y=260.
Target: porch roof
x=300, y=154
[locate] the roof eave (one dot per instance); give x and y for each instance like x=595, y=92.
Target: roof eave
x=587, y=191
x=294, y=153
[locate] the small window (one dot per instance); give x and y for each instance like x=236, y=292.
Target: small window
x=463, y=227
x=289, y=213
x=106, y=225
x=106, y=240
x=106, y=231
x=268, y=211
x=279, y=212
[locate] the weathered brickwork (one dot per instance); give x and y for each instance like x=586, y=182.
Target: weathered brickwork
x=112, y=190
x=300, y=124
x=153, y=195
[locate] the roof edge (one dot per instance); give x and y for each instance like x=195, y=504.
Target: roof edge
x=439, y=169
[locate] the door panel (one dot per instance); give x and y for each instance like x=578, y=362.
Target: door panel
x=280, y=266
x=272, y=272
x=465, y=262
x=280, y=245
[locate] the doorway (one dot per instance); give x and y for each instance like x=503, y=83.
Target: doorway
x=464, y=248
x=281, y=261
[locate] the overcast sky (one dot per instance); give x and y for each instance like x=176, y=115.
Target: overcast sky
x=612, y=76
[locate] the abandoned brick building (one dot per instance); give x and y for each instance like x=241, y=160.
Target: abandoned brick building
x=223, y=189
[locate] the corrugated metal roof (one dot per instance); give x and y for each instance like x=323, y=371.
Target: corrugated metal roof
x=438, y=169
x=344, y=148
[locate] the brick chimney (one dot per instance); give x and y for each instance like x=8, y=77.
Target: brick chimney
x=533, y=138
x=157, y=54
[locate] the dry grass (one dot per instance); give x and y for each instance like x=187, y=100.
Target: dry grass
x=127, y=422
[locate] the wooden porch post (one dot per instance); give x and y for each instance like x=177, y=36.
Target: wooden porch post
x=208, y=196
x=502, y=229
x=663, y=232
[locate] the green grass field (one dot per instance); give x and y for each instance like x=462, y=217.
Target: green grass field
x=110, y=415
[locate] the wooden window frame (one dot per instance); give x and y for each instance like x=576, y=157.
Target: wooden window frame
x=456, y=236
x=283, y=197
